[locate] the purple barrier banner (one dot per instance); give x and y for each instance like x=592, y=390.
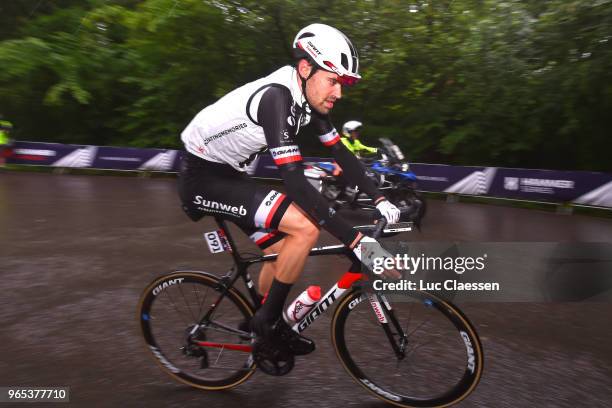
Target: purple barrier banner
x=122, y=158
x=42, y=154
x=579, y=187
x=455, y=179
x=80, y=156
x=549, y=185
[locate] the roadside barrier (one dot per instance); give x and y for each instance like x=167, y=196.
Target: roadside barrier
x=581, y=188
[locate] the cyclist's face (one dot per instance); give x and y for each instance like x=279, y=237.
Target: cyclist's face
x=323, y=90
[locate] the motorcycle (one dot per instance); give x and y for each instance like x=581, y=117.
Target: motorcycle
x=390, y=171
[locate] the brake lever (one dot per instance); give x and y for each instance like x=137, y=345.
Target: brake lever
x=380, y=226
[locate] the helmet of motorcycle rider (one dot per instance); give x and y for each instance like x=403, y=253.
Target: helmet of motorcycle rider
x=328, y=49
x=351, y=126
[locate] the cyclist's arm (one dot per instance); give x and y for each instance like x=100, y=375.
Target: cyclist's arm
x=352, y=168
x=272, y=114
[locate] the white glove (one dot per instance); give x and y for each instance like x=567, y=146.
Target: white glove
x=389, y=211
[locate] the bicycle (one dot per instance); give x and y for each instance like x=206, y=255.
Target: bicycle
x=425, y=352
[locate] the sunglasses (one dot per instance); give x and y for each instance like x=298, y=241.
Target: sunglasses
x=345, y=80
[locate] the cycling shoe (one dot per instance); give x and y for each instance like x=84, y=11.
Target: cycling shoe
x=297, y=344
x=279, y=334
x=245, y=326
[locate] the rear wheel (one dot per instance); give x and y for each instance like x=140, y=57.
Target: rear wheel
x=434, y=357
x=204, y=352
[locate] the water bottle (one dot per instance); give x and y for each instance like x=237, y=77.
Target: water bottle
x=302, y=304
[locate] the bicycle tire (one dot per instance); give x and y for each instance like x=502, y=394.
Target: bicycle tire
x=167, y=343
x=376, y=372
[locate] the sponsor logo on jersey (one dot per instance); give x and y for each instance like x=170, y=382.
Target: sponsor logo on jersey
x=217, y=207
x=224, y=132
x=286, y=154
x=271, y=199
x=266, y=210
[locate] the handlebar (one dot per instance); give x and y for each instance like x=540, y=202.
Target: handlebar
x=382, y=227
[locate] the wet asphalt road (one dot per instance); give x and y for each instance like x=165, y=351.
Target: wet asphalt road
x=76, y=251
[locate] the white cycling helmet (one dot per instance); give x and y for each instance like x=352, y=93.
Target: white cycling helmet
x=350, y=126
x=330, y=50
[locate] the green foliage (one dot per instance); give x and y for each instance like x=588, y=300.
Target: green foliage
x=506, y=83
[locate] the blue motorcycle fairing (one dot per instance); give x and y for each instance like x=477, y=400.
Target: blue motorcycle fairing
x=376, y=166
x=406, y=175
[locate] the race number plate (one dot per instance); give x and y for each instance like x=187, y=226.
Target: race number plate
x=216, y=241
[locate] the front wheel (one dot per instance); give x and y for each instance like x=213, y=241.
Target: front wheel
x=410, y=349
x=194, y=329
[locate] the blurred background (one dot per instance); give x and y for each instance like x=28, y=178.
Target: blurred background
x=470, y=82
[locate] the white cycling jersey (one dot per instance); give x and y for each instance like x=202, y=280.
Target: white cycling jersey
x=228, y=130
x=264, y=114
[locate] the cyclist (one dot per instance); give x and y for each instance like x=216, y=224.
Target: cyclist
x=268, y=113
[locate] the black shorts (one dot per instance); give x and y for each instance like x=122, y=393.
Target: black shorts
x=208, y=188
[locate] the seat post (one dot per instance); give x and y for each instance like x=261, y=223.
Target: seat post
x=234, y=248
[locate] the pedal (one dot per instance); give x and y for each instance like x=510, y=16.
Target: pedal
x=271, y=359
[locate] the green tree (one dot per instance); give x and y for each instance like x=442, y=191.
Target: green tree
x=506, y=83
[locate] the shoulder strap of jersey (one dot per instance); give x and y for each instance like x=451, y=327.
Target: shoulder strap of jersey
x=248, y=105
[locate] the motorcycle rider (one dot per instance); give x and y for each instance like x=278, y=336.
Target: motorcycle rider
x=350, y=137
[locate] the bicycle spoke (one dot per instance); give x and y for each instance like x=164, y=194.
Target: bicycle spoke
x=187, y=323
x=203, y=302
x=180, y=353
x=219, y=355
x=187, y=303
x=196, y=294
x=416, y=328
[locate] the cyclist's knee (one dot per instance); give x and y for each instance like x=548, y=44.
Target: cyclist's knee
x=295, y=223
x=308, y=231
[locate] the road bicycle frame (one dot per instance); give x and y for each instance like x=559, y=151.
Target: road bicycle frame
x=381, y=307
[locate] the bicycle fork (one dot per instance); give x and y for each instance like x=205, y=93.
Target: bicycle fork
x=386, y=317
